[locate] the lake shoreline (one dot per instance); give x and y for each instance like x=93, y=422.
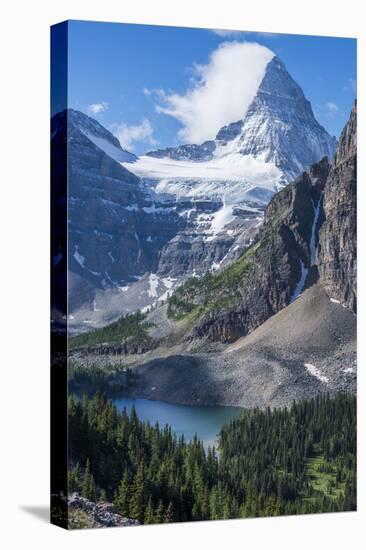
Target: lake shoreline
x=188, y=420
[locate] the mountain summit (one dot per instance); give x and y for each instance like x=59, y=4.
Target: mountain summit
x=279, y=127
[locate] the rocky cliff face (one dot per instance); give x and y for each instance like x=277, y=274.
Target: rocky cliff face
x=270, y=274
x=193, y=152
x=337, y=252
x=198, y=248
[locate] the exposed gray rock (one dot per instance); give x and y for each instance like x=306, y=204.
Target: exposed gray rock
x=101, y=514
x=337, y=251
x=186, y=152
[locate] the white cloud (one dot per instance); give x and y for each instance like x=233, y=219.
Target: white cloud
x=220, y=92
x=127, y=135
x=332, y=108
x=224, y=33
x=96, y=108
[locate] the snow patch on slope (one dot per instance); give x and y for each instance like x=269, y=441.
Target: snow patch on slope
x=314, y=371
x=79, y=258
x=313, y=247
x=300, y=285
x=116, y=153
x=231, y=180
x=221, y=218
x=153, y=285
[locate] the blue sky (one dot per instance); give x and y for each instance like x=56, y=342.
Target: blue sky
x=129, y=76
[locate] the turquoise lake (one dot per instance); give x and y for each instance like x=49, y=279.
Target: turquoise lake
x=183, y=419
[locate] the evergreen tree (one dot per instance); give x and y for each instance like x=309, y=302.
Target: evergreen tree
x=123, y=496
x=137, y=500
x=149, y=513
x=103, y=496
x=264, y=467
x=74, y=482
x=159, y=513
x=169, y=513
x=88, y=486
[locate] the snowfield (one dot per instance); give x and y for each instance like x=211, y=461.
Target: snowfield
x=232, y=180
x=232, y=167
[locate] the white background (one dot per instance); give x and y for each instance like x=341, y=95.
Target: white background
x=24, y=289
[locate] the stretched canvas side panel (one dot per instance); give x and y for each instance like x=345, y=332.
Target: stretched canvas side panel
x=59, y=453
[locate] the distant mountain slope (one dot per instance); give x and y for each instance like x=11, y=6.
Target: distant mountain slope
x=101, y=137
x=115, y=233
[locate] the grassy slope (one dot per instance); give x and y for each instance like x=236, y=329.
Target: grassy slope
x=212, y=292
x=128, y=327
x=322, y=477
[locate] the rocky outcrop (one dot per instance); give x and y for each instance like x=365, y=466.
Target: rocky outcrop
x=100, y=514
x=268, y=276
x=186, y=152
x=337, y=251
x=130, y=346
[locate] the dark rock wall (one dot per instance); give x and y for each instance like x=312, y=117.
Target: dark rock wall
x=337, y=251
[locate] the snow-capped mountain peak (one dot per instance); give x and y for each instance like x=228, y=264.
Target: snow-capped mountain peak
x=279, y=128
